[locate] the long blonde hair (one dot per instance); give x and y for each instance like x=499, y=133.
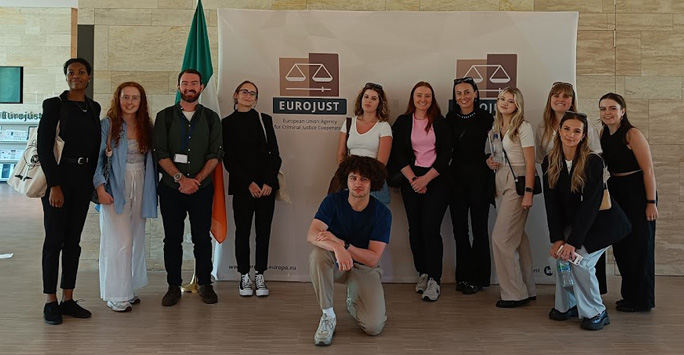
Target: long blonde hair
x=518, y=115
x=579, y=161
x=549, y=114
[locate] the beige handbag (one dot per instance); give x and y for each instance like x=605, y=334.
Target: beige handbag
x=282, y=194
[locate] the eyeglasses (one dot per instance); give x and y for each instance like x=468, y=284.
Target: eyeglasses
x=465, y=79
x=373, y=86
x=561, y=83
x=247, y=92
x=573, y=114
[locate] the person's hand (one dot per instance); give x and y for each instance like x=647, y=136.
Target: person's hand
x=188, y=185
x=526, y=203
x=419, y=183
x=56, y=198
x=254, y=190
x=103, y=196
x=327, y=236
x=554, y=248
x=492, y=164
x=567, y=253
x=422, y=191
x=266, y=190
x=651, y=212
x=344, y=259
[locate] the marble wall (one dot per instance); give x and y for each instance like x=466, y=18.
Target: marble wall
x=632, y=47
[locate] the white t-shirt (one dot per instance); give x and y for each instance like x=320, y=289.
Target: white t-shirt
x=367, y=144
x=514, y=149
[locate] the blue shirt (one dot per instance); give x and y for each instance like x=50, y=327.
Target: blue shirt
x=356, y=228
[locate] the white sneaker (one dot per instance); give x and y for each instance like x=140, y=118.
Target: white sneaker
x=245, y=286
x=134, y=300
x=326, y=330
x=422, y=283
x=123, y=306
x=432, y=291
x=261, y=289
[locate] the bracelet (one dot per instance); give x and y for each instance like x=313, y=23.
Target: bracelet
x=414, y=178
x=651, y=201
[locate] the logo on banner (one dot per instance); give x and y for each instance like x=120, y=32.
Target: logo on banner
x=491, y=75
x=310, y=86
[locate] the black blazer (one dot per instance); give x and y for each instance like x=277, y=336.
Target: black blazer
x=55, y=111
x=402, y=149
x=590, y=227
x=249, y=156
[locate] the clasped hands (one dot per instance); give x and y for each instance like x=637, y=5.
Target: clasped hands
x=257, y=192
x=343, y=257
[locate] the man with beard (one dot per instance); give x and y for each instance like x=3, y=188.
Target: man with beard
x=349, y=234
x=188, y=146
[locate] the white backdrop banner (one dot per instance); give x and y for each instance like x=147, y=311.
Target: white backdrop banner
x=309, y=66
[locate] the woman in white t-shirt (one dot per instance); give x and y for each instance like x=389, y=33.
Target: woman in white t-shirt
x=510, y=245
x=370, y=133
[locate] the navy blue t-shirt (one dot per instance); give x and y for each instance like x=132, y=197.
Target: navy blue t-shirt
x=356, y=228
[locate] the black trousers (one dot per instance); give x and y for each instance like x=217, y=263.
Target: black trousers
x=63, y=228
x=424, y=213
x=473, y=261
x=175, y=206
x=244, y=207
x=635, y=254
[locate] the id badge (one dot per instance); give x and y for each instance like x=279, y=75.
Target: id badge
x=180, y=158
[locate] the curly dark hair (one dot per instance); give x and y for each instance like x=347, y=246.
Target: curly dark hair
x=364, y=166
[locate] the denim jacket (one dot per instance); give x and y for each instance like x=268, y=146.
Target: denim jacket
x=118, y=173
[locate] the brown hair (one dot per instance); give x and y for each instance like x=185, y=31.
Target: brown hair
x=549, y=115
x=142, y=118
x=433, y=111
x=237, y=90
x=383, y=105
x=579, y=161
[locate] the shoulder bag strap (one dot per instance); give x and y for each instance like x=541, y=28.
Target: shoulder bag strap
x=346, y=142
x=515, y=178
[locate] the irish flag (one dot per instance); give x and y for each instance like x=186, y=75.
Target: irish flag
x=198, y=57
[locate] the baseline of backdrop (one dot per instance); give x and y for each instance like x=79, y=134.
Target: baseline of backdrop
x=395, y=49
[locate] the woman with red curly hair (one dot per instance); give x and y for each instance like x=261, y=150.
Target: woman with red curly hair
x=128, y=197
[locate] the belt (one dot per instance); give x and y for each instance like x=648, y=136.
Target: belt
x=79, y=160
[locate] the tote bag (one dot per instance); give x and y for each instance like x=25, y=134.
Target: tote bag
x=28, y=177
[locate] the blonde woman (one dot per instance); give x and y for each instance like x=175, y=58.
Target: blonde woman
x=510, y=245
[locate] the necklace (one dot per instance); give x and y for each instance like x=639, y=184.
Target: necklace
x=466, y=116
x=79, y=106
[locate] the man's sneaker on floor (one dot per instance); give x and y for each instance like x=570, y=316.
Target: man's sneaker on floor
x=326, y=330
x=123, y=306
x=52, y=314
x=172, y=296
x=245, y=286
x=71, y=308
x=432, y=291
x=261, y=289
x=207, y=293
x=422, y=283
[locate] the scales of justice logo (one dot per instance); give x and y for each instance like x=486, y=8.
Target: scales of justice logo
x=491, y=75
x=310, y=86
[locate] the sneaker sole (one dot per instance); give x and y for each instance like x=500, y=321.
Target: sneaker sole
x=426, y=298
x=53, y=322
x=127, y=309
x=596, y=326
x=261, y=293
x=244, y=293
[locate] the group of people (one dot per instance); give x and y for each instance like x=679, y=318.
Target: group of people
x=437, y=162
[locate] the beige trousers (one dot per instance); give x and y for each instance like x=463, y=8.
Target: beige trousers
x=510, y=245
x=365, y=295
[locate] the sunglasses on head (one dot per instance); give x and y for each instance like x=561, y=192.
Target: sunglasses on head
x=562, y=83
x=573, y=114
x=465, y=79
x=373, y=86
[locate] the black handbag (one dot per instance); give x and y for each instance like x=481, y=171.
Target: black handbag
x=520, y=180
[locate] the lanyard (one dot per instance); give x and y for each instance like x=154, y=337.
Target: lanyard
x=185, y=138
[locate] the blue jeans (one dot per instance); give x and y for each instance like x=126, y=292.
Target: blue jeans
x=383, y=195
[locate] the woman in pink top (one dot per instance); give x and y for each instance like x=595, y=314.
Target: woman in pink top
x=421, y=152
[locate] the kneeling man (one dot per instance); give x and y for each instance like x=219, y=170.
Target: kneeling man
x=349, y=234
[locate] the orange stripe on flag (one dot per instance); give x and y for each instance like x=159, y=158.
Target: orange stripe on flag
x=219, y=222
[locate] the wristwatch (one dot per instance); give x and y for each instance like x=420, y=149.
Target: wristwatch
x=528, y=189
x=414, y=178
x=346, y=245
x=177, y=177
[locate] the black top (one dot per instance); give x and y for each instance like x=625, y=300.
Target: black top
x=579, y=211
x=199, y=139
x=80, y=131
x=619, y=158
x=402, y=149
x=469, y=136
x=250, y=156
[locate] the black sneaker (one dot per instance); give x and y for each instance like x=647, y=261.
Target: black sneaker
x=207, y=293
x=71, y=308
x=560, y=316
x=51, y=313
x=596, y=322
x=172, y=296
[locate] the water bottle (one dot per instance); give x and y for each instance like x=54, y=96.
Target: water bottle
x=564, y=274
x=497, y=149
